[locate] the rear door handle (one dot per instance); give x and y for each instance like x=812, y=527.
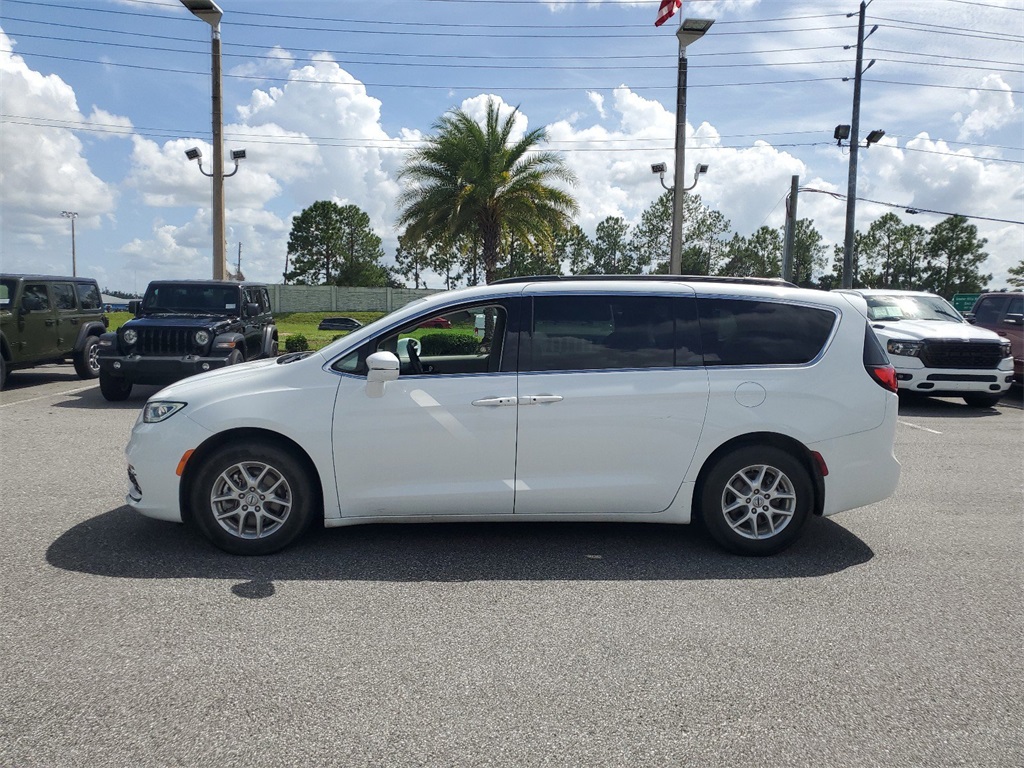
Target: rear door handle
x=494, y=402
x=538, y=399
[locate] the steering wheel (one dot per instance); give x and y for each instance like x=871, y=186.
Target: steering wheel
x=414, y=357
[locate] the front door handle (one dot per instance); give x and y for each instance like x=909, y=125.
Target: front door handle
x=50, y=323
x=538, y=399
x=494, y=402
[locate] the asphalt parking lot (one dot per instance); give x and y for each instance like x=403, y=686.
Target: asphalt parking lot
x=889, y=636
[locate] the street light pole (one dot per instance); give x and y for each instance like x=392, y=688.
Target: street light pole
x=210, y=12
x=689, y=31
x=74, y=263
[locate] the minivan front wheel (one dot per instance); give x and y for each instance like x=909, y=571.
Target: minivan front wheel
x=252, y=500
x=756, y=499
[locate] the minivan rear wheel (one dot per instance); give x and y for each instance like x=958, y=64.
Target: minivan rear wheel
x=755, y=500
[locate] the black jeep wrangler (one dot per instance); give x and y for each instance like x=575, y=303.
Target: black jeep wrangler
x=184, y=327
x=47, y=319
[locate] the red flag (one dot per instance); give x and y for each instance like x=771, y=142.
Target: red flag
x=667, y=11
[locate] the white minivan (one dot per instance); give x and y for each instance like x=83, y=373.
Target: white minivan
x=750, y=404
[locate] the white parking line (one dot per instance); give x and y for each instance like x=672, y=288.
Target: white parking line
x=43, y=397
x=923, y=429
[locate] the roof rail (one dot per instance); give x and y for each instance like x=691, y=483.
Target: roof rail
x=770, y=281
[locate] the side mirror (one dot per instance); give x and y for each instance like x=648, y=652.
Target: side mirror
x=134, y=306
x=383, y=367
x=252, y=309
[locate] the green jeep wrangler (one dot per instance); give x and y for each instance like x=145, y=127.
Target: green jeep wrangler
x=46, y=319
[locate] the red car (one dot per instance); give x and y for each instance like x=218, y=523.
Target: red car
x=437, y=322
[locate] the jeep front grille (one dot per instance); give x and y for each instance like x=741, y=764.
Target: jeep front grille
x=961, y=354
x=164, y=341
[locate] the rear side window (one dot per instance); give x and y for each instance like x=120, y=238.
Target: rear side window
x=580, y=333
x=752, y=332
x=88, y=296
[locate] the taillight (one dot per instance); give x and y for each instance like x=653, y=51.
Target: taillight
x=885, y=375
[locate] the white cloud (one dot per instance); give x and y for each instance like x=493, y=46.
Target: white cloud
x=989, y=109
x=44, y=169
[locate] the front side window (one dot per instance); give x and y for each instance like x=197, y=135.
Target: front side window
x=752, y=332
x=581, y=333
x=64, y=296
x=469, y=340
x=35, y=298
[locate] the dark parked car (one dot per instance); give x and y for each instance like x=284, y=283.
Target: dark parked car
x=1003, y=312
x=339, y=324
x=184, y=327
x=47, y=319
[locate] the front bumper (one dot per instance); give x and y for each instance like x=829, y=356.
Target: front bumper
x=951, y=381
x=154, y=452
x=151, y=369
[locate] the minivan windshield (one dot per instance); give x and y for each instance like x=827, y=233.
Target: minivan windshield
x=908, y=307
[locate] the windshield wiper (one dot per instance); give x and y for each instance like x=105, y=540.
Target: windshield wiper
x=292, y=357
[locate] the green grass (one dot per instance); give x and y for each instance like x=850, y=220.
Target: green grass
x=305, y=323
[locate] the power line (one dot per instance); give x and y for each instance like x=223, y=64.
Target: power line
x=912, y=209
x=397, y=143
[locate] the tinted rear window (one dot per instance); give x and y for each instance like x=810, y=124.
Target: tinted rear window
x=751, y=332
x=574, y=333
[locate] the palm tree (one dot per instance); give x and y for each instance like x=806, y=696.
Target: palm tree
x=468, y=180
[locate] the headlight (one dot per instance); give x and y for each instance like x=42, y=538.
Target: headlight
x=160, y=410
x=130, y=336
x=202, y=338
x=905, y=348
x=1006, y=349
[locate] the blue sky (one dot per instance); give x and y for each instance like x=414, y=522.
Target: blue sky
x=100, y=99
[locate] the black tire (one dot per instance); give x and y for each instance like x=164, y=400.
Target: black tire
x=235, y=357
x=756, y=499
x=982, y=399
x=113, y=388
x=87, y=361
x=3, y=372
x=257, y=522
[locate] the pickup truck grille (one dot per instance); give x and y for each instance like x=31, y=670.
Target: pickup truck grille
x=164, y=341
x=961, y=354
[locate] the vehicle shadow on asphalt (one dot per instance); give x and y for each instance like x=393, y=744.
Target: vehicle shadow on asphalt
x=924, y=406
x=92, y=399
x=123, y=544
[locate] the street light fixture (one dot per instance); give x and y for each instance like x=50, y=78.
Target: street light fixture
x=660, y=168
x=842, y=133
x=690, y=30
x=72, y=215
x=196, y=154
x=210, y=12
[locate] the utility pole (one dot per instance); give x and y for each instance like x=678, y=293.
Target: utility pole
x=851, y=186
x=74, y=263
x=787, y=250
x=689, y=31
